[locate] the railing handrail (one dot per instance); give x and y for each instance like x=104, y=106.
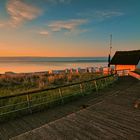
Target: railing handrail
x=52, y=88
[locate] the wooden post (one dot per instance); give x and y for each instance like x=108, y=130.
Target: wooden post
x=95, y=83
x=116, y=77
x=60, y=93
x=105, y=82
x=81, y=89
x=101, y=83
x=109, y=81
x=123, y=72
x=29, y=103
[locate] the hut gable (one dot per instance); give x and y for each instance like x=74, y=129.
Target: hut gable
x=126, y=58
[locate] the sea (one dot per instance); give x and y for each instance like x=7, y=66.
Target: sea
x=38, y=64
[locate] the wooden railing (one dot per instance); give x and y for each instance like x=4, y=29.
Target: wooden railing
x=135, y=75
x=122, y=72
x=24, y=103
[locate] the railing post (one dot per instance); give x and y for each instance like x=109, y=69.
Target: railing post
x=116, y=77
x=95, y=83
x=109, y=80
x=60, y=93
x=123, y=73
x=29, y=103
x=81, y=89
x=105, y=82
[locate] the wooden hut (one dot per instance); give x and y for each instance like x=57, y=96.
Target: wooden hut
x=126, y=60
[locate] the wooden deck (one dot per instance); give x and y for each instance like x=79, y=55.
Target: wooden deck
x=109, y=116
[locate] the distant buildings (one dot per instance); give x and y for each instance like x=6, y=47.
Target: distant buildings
x=126, y=60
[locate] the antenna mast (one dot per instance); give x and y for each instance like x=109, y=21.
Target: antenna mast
x=110, y=45
x=109, y=57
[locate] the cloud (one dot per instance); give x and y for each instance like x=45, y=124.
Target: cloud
x=101, y=15
x=108, y=14
x=66, y=25
x=59, y=1
x=44, y=33
x=1, y=25
x=69, y=27
x=20, y=12
x=76, y=32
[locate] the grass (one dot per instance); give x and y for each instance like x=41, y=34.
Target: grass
x=16, y=85
x=25, y=104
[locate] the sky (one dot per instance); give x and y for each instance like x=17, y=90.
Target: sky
x=68, y=28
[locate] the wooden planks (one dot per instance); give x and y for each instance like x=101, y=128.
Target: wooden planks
x=111, y=117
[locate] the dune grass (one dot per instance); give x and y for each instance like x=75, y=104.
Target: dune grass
x=18, y=84
x=16, y=106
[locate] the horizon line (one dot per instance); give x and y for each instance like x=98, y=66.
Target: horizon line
x=53, y=56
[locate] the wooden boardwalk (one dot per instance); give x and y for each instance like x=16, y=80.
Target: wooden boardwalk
x=110, y=115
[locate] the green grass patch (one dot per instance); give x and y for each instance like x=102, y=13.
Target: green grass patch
x=29, y=103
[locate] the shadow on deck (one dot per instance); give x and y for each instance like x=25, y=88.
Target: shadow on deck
x=109, y=116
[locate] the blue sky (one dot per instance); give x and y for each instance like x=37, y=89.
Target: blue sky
x=68, y=27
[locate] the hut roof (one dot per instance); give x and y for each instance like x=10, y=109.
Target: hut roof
x=126, y=57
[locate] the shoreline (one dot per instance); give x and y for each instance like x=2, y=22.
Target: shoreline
x=39, y=65
x=59, y=71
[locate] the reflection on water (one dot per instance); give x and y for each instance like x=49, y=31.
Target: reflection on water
x=45, y=66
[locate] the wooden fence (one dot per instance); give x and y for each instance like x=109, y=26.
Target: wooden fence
x=16, y=105
x=122, y=72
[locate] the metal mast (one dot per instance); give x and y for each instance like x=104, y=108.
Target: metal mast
x=110, y=45
x=109, y=56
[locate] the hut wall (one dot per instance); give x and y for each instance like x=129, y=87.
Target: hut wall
x=121, y=67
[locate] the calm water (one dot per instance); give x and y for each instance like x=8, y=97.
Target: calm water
x=34, y=64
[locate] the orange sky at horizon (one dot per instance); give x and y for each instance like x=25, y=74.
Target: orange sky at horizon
x=49, y=50
x=62, y=49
